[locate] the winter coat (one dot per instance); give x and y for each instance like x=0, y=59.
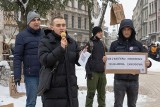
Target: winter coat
x=126, y=45
x=64, y=89
x=26, y=51
x=95, y=62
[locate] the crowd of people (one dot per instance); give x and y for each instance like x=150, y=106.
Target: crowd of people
x=35, y=48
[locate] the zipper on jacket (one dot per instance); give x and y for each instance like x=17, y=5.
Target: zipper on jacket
x=29, y=70
x=127, y=46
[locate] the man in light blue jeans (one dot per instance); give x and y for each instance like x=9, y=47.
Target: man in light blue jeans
x=31, y=88
x=26, y=53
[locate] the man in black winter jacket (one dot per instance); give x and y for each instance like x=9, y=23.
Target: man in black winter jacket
x=126, y=83
x=96, y=77
x=53, y=48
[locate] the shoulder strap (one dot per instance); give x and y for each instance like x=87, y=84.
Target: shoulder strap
x=55, y=67
x=105, y=48
x=90, y=43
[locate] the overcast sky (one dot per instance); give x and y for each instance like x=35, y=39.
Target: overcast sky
x=128, y=6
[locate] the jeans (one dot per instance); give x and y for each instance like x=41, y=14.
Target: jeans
x=31, y=83
x=122, y=87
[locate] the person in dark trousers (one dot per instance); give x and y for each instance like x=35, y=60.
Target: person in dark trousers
x=26, y=52
x=95, y=72
x=126, y=83
x=52, y=49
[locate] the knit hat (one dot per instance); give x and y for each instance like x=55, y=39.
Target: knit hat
x=31, y=15
x=96, y=29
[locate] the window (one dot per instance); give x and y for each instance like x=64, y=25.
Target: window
x=85, y=6
x=145, y=14
x=66, y=19
x=72, y=21
x=150, y=27
x=149, y=8
x=159, y=23
x=73, y=3
x=79, y=22
x=155, y=26
x=85, y=23
x=79, y=5
x=158, y=5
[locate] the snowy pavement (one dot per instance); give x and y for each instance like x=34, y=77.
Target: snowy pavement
x=149, y=95
x=20, y=102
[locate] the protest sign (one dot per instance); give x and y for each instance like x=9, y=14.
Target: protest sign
x=126, y=63
x=8, y=105
x=117, y=14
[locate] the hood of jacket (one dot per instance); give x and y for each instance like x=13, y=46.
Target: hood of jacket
x=126, y=23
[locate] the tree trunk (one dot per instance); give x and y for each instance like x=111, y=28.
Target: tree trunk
x=90, y=18
x=103, y=10
x=22, y=23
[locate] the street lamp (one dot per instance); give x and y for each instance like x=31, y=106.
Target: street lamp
x=75, y=36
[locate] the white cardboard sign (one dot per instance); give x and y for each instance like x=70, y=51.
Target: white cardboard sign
x=128, y=62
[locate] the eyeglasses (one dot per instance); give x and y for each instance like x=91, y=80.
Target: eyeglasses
x=35, y=19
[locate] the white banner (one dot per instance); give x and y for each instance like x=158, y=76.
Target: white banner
x=126, y=61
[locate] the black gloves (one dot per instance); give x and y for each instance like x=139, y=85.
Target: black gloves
x=89, y=76
x=17, y=81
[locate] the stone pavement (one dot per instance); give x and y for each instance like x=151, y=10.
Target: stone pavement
x=150, y=86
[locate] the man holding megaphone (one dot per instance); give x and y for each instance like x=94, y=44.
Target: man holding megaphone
x=58, y=46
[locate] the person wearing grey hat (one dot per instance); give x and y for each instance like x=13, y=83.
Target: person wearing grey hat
x=31, y=15
x=26, y=52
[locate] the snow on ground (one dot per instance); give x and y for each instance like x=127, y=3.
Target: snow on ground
x=155, y=66
x=20, y=102
x=5, y=64
x=80, y=72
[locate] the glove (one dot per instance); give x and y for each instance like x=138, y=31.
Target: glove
x=90, y=76
x=17, y=81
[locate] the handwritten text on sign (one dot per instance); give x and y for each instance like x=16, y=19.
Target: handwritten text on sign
x=120, y=62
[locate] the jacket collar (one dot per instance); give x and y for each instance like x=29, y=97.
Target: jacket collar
x=124, y=41
x=33, y=31
x=94, y=38
x=53, y=37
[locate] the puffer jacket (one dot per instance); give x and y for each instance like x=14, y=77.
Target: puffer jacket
x=26, y=52
x=126, y=45
x=64, y=89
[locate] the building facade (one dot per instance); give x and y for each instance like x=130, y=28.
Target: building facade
x=75, y=14
x=146, y=17
x=77, y=21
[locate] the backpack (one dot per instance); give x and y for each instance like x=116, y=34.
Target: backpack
x=91, y=45
x=153, y=49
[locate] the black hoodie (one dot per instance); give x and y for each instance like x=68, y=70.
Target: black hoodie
x=126, y=45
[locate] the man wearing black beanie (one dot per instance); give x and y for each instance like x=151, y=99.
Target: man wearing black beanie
x=96, y=29
x=96, y=78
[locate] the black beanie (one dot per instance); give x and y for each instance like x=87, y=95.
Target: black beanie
x=96, y=29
